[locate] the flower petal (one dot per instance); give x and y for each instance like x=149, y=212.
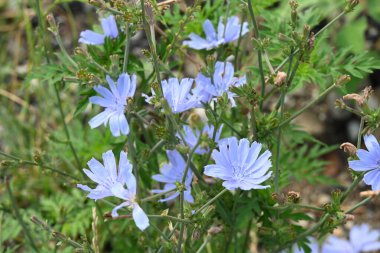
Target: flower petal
x=140, y=218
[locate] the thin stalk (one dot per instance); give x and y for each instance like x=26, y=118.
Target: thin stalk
x=238, y=44
x=157, y=195
x=131, y=151
x=210, y=201
x=126, y=49
x=312, y=103
x=361, y=203
x=316, y=35
x=259, y=51
x=18, y=216
x=64, y=51
x=282, y=106
x=73, y=151
x=182, y=226
x=204, y=244
x=42, y=34
x=156, y=216
x=246, y=240
x=169, y=236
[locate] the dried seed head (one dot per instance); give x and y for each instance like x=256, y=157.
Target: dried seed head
x=367, y=92
x=348, y=148
x=293, y=196
x=349, y=217
x=356, y=97
x=369, y=193
x=215, y=230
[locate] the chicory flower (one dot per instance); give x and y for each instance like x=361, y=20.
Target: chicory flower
x=93, y=38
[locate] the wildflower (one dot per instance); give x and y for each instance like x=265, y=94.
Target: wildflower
x=369, y=161
x=109, y=28
x=239, y=164
x=115, y=101
x=362, y=239
x=213, y=39
x=192, y=138
x=172, y=173
x=111, y=182
x=177, y=94
x=223, y=79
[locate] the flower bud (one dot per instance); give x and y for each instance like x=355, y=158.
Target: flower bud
x=369, y=193
x=280, y=78
x=349, y=217
x=367, y=92
x=343, y=80
x=215, y=230
x=350, y=5
x=52, y=24
x=348, y=148
x=294, y=196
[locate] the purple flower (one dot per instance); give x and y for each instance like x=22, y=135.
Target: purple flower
x=92, y=38
x=178, y=95
x=238, y=163
x=362, y=239
x=213, y=39
x=171, y=173
x=192, y=138
x=208, y=89
x=115, y=101
x=369, y=161
x=111, y=182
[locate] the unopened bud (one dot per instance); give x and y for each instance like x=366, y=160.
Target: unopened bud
x=293, y=4
x=52, y=24
x=215, y=230
x=349, y=217
x=350, y=5
x=343, y=80
x=280, y=78
x=97, y=3
x=294, y=196
x=37, y=157
x=356, y=97
x=367, y=92
x=348, y=148
x=369, y=193
x=339, y=103
x=196, y=234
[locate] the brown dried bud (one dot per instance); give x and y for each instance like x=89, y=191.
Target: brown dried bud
x=339, y=103
x=369, y=193
x=356, y=97
x=293, y=4
x=311, y=41
x=349, y=217
x=343, y=80
x=52, y=24
x=280, y=78
x=367, y=92
x=98, y=3
x=294, y=196
x=215, y=230
x=348, y=148
x=196, y=234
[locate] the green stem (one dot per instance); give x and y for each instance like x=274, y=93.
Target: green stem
x=246, y=239
x=204, y=244
x=182, y=226
x=361, y=203
x=63, y=50
x=312, y=103
x=210, y=201
x=18, y=215
x=66, y=129
x=157, y=195
x=131, y=151
x=318, y=33
x=126, y=49
x=259, y=51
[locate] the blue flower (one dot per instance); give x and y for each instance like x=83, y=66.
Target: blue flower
x=115, y=101
x=369, y=161
x=111, y=182
x=362, y=239
x=192, y=138
x=213, y=39
x=178, y=95
x=109, y=28
x=239, y=165
x=208, y=89
x=171, y=173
